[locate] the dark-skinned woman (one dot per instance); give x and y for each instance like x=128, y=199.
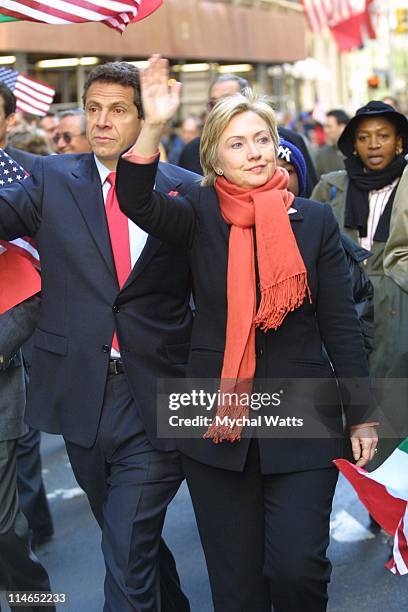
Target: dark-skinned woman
x=271, y=285
x=375, y=142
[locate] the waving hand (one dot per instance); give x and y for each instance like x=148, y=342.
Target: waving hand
x=160, y=96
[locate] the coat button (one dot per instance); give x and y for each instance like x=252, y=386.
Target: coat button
x=106, y=348
x=115, y=308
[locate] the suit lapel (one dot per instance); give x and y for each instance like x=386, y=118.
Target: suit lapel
x=87, y=192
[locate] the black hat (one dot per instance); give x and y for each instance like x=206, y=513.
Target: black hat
x=372, y=109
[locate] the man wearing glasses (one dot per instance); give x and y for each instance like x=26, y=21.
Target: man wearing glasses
x=223, y=86
x=70, y=136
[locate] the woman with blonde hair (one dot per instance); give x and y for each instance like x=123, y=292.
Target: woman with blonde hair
x=270, y=286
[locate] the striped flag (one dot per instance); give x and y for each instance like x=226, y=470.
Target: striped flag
x=19, y=259
x=116, y=14
x=384, y=492
x=32, y=96
x=348, y=20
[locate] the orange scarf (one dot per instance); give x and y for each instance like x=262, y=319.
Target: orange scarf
x=283, y=282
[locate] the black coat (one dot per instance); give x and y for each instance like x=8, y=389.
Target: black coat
x=363, y=290
x=295, y=349
x=61, y=206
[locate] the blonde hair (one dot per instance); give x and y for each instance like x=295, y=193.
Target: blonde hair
x=219, y=118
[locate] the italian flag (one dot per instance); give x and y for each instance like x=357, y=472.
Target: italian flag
x=5, y=18
x=384, y=492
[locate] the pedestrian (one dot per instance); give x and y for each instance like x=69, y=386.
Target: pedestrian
x=20, y=570
x=262, y=504
x=70, y=134
x=328, y=157
x=49, y=124
x=291, y=158
x=362, y=199
x=31, y=490
x=114, y=317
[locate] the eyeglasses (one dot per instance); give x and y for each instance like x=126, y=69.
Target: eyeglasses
x=66, y=136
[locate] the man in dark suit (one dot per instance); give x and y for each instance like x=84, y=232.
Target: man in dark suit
x=114, y=317
x=30, y=483
x=19, y=569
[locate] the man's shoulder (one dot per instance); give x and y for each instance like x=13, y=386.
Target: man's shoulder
x=337, y=178
x=173, y=176
x=25, y=159
x=193, y=146
x=64, y=162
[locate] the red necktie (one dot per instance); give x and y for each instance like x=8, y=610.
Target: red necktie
x=119, y=235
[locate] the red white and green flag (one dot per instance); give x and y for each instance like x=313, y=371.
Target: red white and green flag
x=384, y=492
x=116, y=14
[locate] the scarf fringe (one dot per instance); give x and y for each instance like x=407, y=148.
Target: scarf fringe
x=218, y=432
x=280, y=299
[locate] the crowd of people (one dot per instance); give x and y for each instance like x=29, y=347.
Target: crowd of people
x=247, y=257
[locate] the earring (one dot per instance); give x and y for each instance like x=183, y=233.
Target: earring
x=398, y=150
x=219, y=171
x=355, y=153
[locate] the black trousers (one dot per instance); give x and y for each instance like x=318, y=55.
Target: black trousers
x=20, y=570
x=129, y=485
x=264, y=536
x=30, y=485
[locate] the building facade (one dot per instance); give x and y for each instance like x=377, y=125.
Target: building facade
x=201, y=38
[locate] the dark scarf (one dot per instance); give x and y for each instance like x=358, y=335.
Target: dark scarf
x=361, y=181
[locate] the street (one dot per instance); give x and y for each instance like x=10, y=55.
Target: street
x=360, y=583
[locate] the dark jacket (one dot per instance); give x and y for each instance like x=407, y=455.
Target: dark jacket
x=16, y=325
x=61, y=206
x=26, y=160
x=363, y=290
x=294, y=351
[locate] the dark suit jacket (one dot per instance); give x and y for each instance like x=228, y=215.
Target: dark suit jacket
x=16, y=325
x=295, y=349
x=61, y=206
x=190, y=156
x=26, y=160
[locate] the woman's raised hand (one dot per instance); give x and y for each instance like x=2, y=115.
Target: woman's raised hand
x=160, y=96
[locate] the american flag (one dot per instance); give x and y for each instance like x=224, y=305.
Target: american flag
x=116, y=14
x=32, y=96
x=11, y=171
x=348, y=20
x=326, y=13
